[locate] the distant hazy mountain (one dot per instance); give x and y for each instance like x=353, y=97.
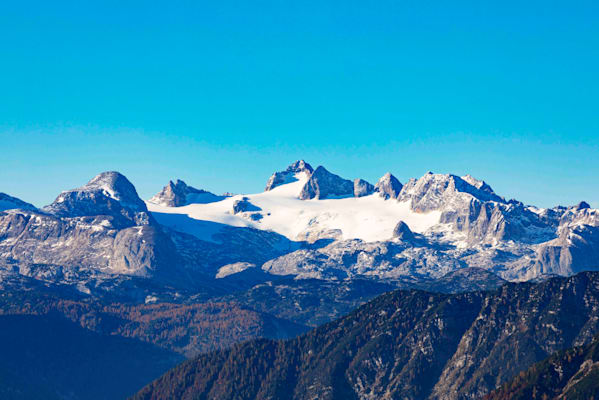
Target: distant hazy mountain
x=8, y=203
x=403, y=345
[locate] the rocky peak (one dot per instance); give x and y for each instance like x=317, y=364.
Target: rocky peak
x=109, y=193
x=174, y=194
x=583, y=205
x=116, y=186
x=324, y=184
x=288, y=176
x=402, y=232
x=178, y=193
x=9, y=202
x=388, y=186
x=435, y=191
x=300, y=166
x=362, y=188
x=480, y=185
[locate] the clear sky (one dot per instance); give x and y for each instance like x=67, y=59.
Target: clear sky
x=222, y=93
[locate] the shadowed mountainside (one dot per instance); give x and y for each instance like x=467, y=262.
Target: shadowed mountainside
x=404, y=344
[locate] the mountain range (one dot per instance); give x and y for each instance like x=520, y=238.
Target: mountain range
x=191, y=271
x=308, y=223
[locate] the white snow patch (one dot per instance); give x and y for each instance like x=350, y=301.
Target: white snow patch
x=370, y=218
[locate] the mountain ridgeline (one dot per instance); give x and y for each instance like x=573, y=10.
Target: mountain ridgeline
x=309, y=224
x=402, y=345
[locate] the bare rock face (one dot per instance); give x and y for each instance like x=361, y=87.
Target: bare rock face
x=434, y=191
x=177, y=194
x=288, y=176
x=323, y=184
x=140, y=250
x=362, y=188
x=8, y=203
x=388, y=186
x=472, y=208
x=402, y=231
x=575, y=250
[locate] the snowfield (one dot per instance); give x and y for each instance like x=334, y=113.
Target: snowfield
x=370, y=218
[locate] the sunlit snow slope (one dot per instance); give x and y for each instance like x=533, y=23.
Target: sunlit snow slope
x=370, y=218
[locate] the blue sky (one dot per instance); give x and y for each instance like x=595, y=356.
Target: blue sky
x=221, y=94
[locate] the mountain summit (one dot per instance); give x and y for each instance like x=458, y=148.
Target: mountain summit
x=388, y=186
x=108, y=193
x=324, y=184
x=289, y=175
x=177, y=194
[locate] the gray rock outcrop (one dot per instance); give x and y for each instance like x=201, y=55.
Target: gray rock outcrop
x=388, y=186
x=362, y=188
x=323, y=184
x=102, y=228
x=109, y=194
x=402, y=232
x=244, y=205
x=178, y=194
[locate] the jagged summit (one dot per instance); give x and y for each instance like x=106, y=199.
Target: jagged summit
x=300, y=166
x=178, y=193
x=8, y=202
x=324, y=184
x=433, y=191
x=288, y=176
x=388, y=186
x=321, y=183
